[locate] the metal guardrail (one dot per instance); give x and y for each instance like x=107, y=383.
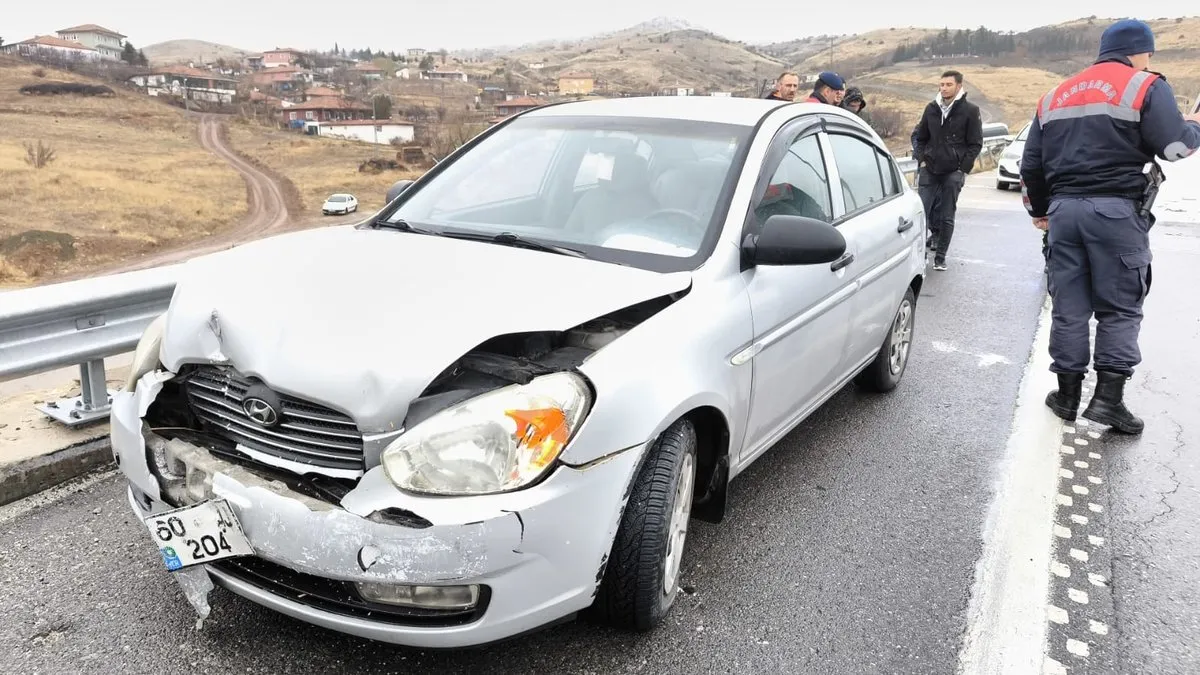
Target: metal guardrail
x=80, y=323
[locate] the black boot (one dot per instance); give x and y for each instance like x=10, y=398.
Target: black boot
x=1107, y=406
x=1064, y=401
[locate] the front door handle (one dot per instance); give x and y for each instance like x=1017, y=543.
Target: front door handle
x=842, y=262
x=905, y=224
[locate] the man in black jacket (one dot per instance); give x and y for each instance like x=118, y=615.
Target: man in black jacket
x=946, y=143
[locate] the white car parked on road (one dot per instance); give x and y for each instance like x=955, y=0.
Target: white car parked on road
x=499, y=401
x=1008, y=169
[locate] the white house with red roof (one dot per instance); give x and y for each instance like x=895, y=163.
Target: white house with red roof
x=47, y=46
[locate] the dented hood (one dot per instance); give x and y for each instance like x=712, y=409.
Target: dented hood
x=362, y=320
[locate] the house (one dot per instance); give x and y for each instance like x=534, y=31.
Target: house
x=326, y=109
x=190, y=83
x=253, y=61
x=404, y=73
x=416, y=55
x=280, y=58
x=282, y=79
x=257, y=96
x=382, y=132
x=576, y=83
x=721, y=94
x=517, y=105
x=368, y=71
x=444, y=75
x=108, y=43
x=492, y=95
x=47, y=45
x=678, y=91
x=536, y=65
x=321, y=92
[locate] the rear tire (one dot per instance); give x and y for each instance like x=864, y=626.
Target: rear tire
x=886, y=371
x=641, y=579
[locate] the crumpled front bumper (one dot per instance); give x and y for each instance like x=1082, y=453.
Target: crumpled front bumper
x=538, y=552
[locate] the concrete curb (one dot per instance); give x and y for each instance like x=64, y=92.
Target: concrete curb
x=28, y=477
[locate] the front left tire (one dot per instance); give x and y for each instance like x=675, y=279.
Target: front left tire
x=641, y=578
x=886, y=371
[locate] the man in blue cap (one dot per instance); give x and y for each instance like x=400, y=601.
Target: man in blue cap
x=829, y=89
x=1089, y=178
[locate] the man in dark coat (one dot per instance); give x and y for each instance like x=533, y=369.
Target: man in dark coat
x=1083, y=179
x=946, y=142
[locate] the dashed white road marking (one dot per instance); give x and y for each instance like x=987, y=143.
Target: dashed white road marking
x=1077, y=595
x=1077, y=648
x=1007, y=619
x=1057, y=614
x=1097, y=627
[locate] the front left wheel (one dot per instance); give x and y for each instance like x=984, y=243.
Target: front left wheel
x=888, y=368
x=641, y=578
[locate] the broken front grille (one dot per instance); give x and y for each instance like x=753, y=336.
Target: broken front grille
x=302, y=432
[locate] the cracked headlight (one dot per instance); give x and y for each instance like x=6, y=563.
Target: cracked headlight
x=145, y=357
x=496, y=442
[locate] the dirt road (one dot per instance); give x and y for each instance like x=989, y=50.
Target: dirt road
x=267, y=211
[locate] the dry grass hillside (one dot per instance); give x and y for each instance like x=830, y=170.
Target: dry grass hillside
x=128, y=176
x=197, y=51
x=646, y=62
x=811, y=55
x=1010, y=93
x=319, y=167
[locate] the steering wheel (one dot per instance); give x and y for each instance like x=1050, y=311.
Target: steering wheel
x=693, y=224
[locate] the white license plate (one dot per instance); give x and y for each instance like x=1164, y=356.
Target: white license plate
x=202, y=533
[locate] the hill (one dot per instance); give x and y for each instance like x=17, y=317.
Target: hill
x=638, y=60
x=193, y=51
x=128, y=175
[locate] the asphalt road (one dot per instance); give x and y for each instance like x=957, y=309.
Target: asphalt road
x=850, y=547
x=1154, y=482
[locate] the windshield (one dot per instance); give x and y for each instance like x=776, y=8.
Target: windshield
x=643, y=192
x=337, y=198
x=1024, y=133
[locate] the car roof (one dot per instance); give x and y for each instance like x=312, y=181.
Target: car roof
x=720, y=109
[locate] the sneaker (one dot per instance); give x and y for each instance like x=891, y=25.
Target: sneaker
x=941, y=267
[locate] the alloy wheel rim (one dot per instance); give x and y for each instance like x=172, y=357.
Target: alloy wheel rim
x=677, y=529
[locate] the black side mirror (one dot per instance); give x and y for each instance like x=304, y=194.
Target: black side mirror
x=794, y=240
x=397, y=188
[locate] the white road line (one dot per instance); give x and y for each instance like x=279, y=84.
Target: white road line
x=1007, y=615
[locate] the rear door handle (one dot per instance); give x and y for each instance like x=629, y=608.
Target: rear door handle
x=842, y=262
x=905, y=224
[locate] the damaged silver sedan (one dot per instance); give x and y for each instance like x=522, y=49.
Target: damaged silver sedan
x=498, y=402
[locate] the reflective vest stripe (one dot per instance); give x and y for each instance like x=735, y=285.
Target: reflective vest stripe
x=1098, y=78
x=1135, y=91
x=1091, y=109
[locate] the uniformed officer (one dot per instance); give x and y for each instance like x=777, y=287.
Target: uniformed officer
x=1084, y=180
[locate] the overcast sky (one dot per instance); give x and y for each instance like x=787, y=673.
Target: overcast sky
x=394, y=25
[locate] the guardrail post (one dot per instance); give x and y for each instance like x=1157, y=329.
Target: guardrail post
x=92, y=405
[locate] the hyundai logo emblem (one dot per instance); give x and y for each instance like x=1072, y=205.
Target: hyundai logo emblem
x=260, y=411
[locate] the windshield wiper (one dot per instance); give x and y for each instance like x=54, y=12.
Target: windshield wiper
x=401, y=225
x=513, y=239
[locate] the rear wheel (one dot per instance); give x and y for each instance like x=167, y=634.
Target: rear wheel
x=641, y=579
x=886, y=371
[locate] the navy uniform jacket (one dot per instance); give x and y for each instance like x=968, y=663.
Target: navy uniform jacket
x=1093, y=134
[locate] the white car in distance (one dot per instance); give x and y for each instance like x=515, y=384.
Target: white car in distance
x=340, y=204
